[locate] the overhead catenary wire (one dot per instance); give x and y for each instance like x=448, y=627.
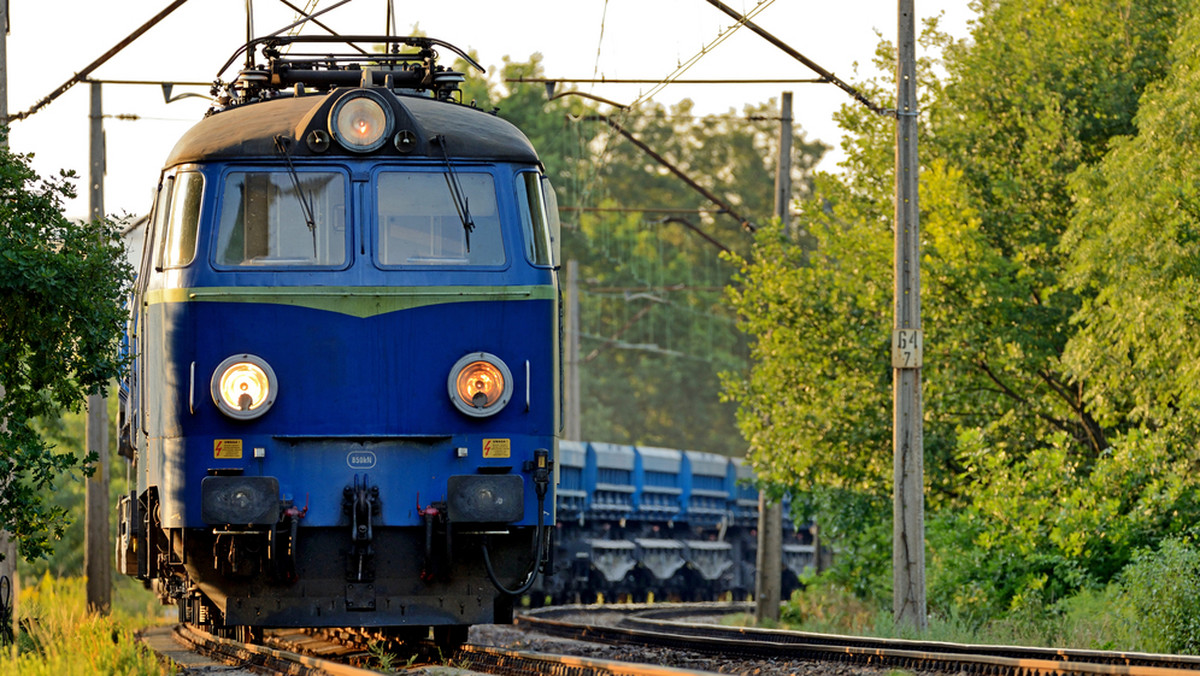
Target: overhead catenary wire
x=746, y=224
x=247, y=46
x=600, y=39
x=826, y=77
x=623, y=110
x=704, y=51
x=307, y=13
x=309, y=6
x=812, y=65
x=692, y=226
x=87, y=70
x=653, y=338
x=641, y=210
x=618, y=80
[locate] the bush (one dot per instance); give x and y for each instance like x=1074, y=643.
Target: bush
x=828, y=608
x=1095, y=619
x=1161, y=591
x=59, y=637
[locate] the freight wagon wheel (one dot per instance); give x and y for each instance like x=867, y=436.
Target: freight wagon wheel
x=449, y=638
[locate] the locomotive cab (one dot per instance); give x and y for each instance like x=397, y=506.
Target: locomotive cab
x=345, y=399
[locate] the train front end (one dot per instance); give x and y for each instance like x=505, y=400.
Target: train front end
x=346, y=396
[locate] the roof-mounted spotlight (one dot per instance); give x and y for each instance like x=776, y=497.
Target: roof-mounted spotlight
x=361, y=121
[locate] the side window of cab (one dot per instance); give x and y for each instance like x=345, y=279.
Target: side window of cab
x=537, y=221
x=178, y=218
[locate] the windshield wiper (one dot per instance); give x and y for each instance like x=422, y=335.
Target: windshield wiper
x=461, y=203
x=305, y=204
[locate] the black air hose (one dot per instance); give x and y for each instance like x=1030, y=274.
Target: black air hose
x=541, y=484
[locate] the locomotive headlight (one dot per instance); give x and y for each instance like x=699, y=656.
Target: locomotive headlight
x=360, y=121
x=480, y=384
x=244, y=386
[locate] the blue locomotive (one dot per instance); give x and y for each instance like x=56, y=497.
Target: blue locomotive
x=346, y=327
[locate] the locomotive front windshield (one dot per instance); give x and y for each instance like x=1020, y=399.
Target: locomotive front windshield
x=283, y=218
x=422, y=221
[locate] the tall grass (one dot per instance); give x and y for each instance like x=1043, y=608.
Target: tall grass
x=1152, y=607
x=1092, y=619
x=59, y=637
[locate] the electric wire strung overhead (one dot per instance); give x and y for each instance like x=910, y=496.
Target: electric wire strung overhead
x=704, y=51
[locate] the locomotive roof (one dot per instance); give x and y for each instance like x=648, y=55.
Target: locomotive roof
x=250, y=131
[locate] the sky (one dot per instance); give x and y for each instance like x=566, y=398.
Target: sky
x=51, y=40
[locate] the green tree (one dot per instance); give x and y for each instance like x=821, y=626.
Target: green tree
x=1038, y=93
x=62, y=284
x=1134, y=249
x=1036, y=475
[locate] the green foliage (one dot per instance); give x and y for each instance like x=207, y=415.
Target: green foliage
x=61, y=638
x=1052, y=492
x=828, y=608
x=1060, y=348
x=64, y=557
x=1134, y=249
x=1072, y=527
x=1096, y=619
x=382, y=659
x=61, y=290
x=1028, y=102
x=1042, y=528
x=1152, y=605
x=1161, y=590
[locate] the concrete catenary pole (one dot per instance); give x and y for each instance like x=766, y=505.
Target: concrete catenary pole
x=768, y=561
x=783, y=167
x=573, y=425
x=8, y=546
x=97, y=557
x=908, y=507
x=768, y=582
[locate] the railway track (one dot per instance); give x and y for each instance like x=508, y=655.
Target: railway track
x=665, y=627
x=647, y=636
x=341, y=652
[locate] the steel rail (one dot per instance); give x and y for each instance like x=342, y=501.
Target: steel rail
x=752, y=643
x=499, y=661
x=656, y=620
x=307, y=660
x=281, y=661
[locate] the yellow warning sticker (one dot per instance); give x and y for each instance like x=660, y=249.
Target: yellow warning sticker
x=497, y=448
x=227, y=449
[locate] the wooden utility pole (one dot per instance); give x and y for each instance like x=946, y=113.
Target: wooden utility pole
x=768, y=582
x=97, y=556
x=908, y=507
